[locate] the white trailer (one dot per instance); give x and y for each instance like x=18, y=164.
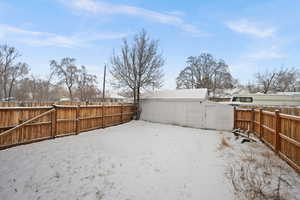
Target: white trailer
x=279, y=99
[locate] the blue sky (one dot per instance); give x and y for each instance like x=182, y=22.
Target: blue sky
x=251, y=36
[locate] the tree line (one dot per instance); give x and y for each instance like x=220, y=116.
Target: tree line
x=281, y=80
x=136, y=68
x=205, y=71
x=66, y=79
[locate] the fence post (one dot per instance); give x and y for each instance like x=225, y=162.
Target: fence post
x=121, y=113
x=103, y=114
x=277, y=131
x=260, y=122
x=252, y=120
x=77, y=119
x=234, y=117
x=20, y=132
x=20, y=135
x=54, y=121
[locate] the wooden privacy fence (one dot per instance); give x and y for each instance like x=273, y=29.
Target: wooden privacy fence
x=31, y=124
x=281, y=132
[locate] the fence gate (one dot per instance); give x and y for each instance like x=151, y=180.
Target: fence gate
x=39, y=127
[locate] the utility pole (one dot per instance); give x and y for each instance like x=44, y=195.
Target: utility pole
x=103, y=88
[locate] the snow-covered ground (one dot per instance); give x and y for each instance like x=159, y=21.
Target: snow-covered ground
x=138, y=160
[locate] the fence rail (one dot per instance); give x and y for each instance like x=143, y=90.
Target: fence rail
x=281, y=132
x=24, y=125
x=283, y=109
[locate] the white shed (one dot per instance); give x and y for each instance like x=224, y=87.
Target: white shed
x=186, y=107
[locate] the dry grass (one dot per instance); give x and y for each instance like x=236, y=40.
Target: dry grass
x=248, y=157
x=267, y=154
x=255, y=177
x=224, y=144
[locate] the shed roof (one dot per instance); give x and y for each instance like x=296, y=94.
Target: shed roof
x=192, y=94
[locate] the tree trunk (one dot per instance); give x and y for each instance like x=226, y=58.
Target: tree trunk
x=138, y=114
x=134, y=95
x=10, y=89
x=70, y=93
x=81, y=94
x=5, y=86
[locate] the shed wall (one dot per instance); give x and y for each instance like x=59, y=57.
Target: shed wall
x=207, y=115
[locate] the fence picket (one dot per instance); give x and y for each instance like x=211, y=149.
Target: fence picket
x=277, y=131
x=260, y=123
x=77, y=119
x=252, y=120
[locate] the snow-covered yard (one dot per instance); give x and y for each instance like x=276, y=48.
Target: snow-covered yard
x=138, y=160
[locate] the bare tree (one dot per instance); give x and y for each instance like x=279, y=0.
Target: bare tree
x=266, y=80
x=205, y=72
x=86, y=85
x=34, y=88
x=8, y=55
x=57, y=91
x=252, y=88
x=16, y=73
x=282, y=80
x=10, y=71
x=22, y=91
x=286, y=80
x=186, y=79
x=67, y=73
x=297, y=85
x=138, y=66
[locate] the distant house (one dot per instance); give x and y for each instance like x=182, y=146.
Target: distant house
x=114, y=97
x=64, y=99
x=186, y=107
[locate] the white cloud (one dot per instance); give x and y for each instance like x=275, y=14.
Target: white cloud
x=250, y=28
x=54, y=40
x=103, y=8
x=11, y=29
x=35, y=38
x=177, y=13
x=270, y=53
